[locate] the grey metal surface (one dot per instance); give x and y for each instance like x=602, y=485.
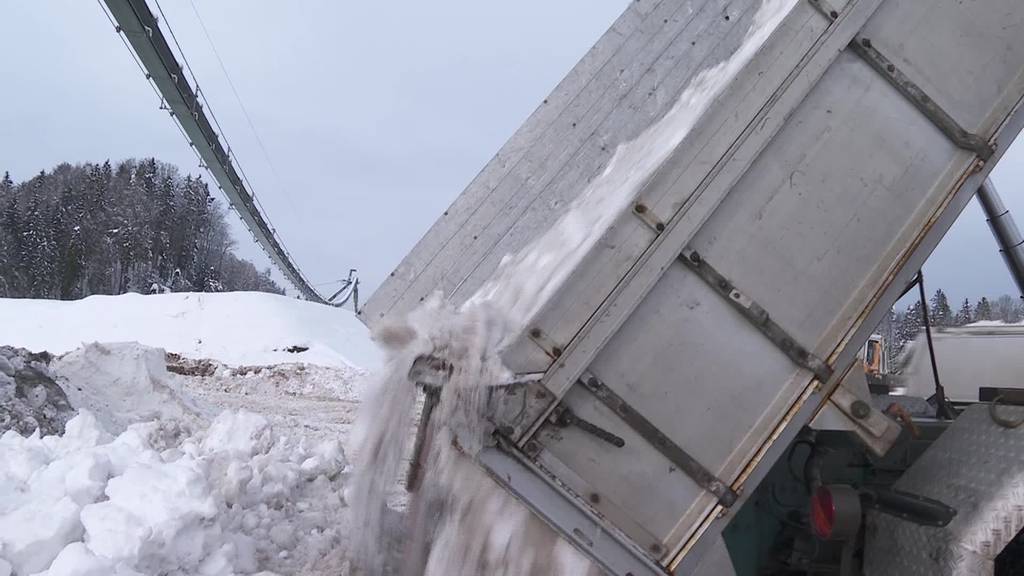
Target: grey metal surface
x=140, y=27
x=663, y=444
x=1005, y=231
x=756, y=315
x=812, y=182
x=864, y=48
x=607, y=548
x=977, y=467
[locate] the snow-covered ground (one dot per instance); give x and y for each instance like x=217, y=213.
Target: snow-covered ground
x=215, y=459
x=236, y=328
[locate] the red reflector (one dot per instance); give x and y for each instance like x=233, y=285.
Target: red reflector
x=823, y=513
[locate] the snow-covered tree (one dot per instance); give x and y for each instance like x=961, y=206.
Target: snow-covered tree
x=983, y=310
x=939, y=313
x=106, y=229
x=908, y=325
x=964, y=315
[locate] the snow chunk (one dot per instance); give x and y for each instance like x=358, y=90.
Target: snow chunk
x=6, y=368
x=233, y=499
x=240, y=434
x=122, y=384
x=132, y=523
x=34, y=534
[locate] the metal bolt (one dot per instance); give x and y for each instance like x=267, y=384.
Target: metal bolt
x=656, y=549
x=640, y=208
x=860, y=409
x=695, y=257
x=532, y=447
x=723, y=284
x=556, y=351
x=535, y=333
x=891, y=68
x=595, y=498
x=659, y=227
x=834, y=14
x=865, y=42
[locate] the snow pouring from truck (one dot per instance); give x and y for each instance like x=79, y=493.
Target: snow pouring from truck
x=461, y=522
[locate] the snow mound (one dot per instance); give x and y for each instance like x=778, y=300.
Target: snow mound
x=235, y=499
x=237, y=328
x=123, y=383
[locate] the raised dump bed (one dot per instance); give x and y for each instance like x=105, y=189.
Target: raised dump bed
x=752, y=186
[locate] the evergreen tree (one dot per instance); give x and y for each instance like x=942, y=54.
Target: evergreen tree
x=6, y=239
x=964, y=316
x=106, y=229
x=939, y=313
x=6, y=185
x=910, y=324
x=983, y=311
x=13, y=273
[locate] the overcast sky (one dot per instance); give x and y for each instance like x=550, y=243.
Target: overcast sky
x=375, y=115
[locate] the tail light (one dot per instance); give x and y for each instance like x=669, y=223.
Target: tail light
x=835, y=512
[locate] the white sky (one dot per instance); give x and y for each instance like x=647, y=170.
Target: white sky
x=375, y=114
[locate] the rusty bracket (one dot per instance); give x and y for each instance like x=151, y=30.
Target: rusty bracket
x=919, y=98
x=756, y=315
x=663, y=444
x=567, y=417
x=422, y=442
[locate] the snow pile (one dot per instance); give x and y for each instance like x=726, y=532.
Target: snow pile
x=122, y=384
x=145, y=480
x=481, y=529
x=237, y=328
x=228, y=501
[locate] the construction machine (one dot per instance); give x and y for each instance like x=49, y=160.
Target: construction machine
x=775, y=174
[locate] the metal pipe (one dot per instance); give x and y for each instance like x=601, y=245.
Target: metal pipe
x=942, y=408
x=1005, y=230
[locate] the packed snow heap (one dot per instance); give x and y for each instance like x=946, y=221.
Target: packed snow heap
x=144, y=480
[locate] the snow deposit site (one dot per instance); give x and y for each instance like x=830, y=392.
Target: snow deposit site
x=187, y=441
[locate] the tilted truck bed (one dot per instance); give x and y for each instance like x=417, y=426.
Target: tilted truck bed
x=724, y=301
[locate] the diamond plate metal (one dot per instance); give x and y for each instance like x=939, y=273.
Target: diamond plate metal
x=977, y=467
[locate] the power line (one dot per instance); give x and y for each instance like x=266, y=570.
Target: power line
x=140, y=30
x=216, y=121
x=241, y=105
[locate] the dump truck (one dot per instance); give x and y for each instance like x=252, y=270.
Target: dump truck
x=770, y=175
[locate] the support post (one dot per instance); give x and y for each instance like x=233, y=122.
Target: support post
x=1005, y=231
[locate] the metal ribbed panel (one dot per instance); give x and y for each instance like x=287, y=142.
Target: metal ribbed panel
x=977, y=467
